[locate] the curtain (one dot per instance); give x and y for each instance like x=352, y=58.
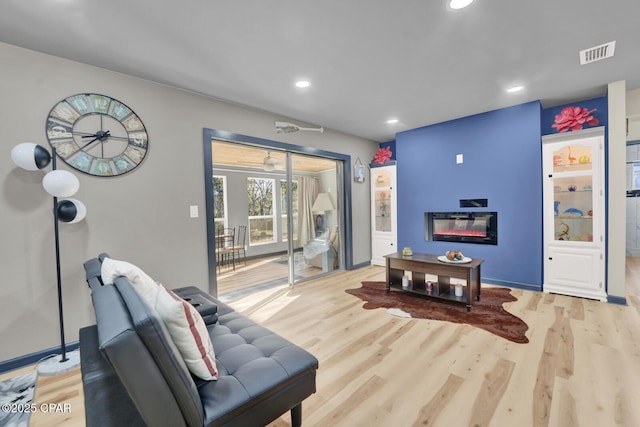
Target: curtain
x=307, y=193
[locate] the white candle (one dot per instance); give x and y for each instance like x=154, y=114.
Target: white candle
x=458, y=289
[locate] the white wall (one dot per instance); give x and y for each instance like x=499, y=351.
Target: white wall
x=142, y=216
x=616, y=189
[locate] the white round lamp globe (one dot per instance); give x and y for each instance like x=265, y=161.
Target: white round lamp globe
x=71, y=211
x=60, y=183
x=30, y=156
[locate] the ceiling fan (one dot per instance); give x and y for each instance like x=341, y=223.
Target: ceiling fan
x=286, y=127
x=269, y=163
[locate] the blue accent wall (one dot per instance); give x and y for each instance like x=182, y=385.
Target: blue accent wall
x=599, y=104
x=502, y=162
x=392, y=147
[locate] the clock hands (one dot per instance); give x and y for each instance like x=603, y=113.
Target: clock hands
x=97, y=135
x=100, y=135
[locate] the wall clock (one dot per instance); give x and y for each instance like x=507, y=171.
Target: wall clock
x=97, y=135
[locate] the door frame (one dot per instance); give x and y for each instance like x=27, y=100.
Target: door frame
x=210, y=134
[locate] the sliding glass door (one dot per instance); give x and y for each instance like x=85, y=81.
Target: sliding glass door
x=289, y=205
x=317, y=217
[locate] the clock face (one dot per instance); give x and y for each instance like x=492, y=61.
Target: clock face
x=97, y=135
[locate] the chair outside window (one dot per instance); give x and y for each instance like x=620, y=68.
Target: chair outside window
x=225, y=253
x=239, y=247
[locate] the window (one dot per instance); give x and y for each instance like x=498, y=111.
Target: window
x=219, y=203
x=262, y=227
x=294, y=202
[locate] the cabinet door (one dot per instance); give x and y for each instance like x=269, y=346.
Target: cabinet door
x=632, y=152
x=575, y=271
x=381, y=246
x=631, y=224
x=383, y=198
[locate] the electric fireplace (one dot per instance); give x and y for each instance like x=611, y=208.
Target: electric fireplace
x=464, y=227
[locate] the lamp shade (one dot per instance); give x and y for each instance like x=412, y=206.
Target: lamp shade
x=323, y=203
x=71, y=211
x=60, y=183
x=30, y=156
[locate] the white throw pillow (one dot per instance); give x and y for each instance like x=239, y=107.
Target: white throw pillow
x=189, y=333
x=185, y=325
x=144, y=285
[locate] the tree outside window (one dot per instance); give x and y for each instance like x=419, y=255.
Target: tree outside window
x=294, y=202
x=261, y=210
x=219, y=205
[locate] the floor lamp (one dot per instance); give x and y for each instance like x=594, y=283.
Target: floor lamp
x=58, y=183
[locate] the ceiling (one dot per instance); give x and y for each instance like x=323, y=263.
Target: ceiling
x=244, y=156
x=367, y=60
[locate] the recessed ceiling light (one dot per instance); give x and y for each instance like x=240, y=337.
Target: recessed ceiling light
x=459, y=4
x=392, y=121
x=302, y=83
x=515, y=89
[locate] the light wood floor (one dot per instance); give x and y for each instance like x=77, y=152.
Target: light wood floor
x=258, y=271
x=580, y=368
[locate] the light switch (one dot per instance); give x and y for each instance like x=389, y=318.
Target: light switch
x=459, y=158
x=193, y=211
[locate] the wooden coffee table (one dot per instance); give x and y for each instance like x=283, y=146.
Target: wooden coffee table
x=442, y=289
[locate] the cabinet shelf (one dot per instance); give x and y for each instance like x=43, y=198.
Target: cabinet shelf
x=572, y=192
x=444, y=292
x=576, y=167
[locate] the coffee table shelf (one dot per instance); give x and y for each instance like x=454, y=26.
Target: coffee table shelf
x=443, y=289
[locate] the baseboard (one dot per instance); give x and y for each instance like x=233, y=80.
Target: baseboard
x=32, y=358
x=517, y=285
x=612, y=299
x=361, y=265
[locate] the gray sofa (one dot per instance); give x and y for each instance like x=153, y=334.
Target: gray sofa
x=133, y=374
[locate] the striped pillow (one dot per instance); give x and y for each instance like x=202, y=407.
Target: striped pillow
x=189, y=333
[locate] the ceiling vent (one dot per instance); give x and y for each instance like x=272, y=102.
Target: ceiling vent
x=597, y=53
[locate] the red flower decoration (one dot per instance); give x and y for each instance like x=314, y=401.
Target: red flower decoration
x=382, y=156
x=573, y=118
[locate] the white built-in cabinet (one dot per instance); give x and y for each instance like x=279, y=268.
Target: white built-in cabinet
x=574, y=213
x=384, y=233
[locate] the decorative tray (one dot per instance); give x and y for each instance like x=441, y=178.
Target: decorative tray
x=464, y=260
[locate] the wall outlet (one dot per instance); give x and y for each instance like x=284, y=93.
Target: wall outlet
x=193, y=211
x=459, y=158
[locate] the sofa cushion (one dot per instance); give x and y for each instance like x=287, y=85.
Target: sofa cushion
x=157, y=340
x=189, y=333
x=251, y=360
x=146, y=287
x=131, y=357
x=185, y=324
